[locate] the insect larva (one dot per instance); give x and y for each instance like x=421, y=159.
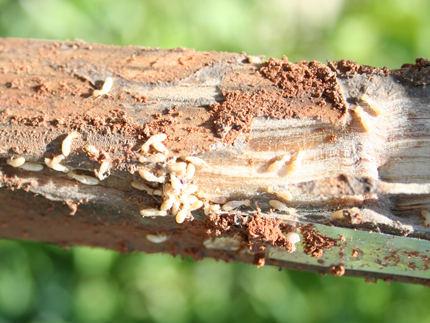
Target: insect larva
x=92, y=150
x=192, y=199
x=212, y=198
x=150, y=177
x=159, y=146
x=158, y=192
x=293, y=238
x=190, y=189
x=176, y=167
x=84, y=179
x=296, y=162
x=198, y=162
x=353, y=215
x=175, y=208
x=176, y=183
x=156, y=158
x=182, y=214
x=191, y=170
x=143, y=187
x=254, y=59
x=167, y=204
x=231, y=205
x=54, y=163
x=362, y=118
x=16, y=162
x=155, y=138
x=426, y=215
x=156, y=238
x=103, y=169
x=67, y=143
x=196, y=205
x=31, y=167
x=282, y=207
x=371, y=104
x=107, y=85
x=275, y=166
x=152, y=212
x=285, y=195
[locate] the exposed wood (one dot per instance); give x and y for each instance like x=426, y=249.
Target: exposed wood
x=318, y=138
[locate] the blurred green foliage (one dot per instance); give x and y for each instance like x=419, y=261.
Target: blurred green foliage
x=41, y=283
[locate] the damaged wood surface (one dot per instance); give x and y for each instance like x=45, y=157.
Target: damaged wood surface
x=337, y=146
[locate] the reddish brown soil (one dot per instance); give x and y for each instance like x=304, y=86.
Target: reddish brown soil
x=315, y=243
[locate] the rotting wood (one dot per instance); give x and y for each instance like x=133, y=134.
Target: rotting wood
x=319, y=138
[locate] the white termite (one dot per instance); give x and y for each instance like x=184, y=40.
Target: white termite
x=212, y=198
x=182, y=214
x=92, y=150
x=176, y=182
x=156, y=158
x=363, y=118
x=103, y=169
x=276, y=165
x=159, y=146
x=285, y=195
x=151, y=140
x=150, y=177
x=143, y=187
x=191, y=170
x=371, y=104
x=196, y=205
x=84, y=179
x=192, y=199
x=198, y=162
x=175, y=208
x=176, y=167
x=16, y=162
x=54, y=163
x=156, y=238
x=67, y=143
x=34, y=167
x=294, y=238
x=231, y=205
x=282, y=207
x=152, y=212
x=167, y=204
x=190, y=189
x=426, y=215
x=296, y=162
x=107, y=85
x=158, y=192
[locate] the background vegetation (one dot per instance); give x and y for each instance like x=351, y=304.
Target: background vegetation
x=42, y=283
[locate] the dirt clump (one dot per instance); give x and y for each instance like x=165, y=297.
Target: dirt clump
x=315, y=243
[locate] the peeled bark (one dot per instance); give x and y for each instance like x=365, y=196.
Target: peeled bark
x=302, y=134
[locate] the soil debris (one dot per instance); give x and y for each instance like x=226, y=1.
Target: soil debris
x=257, y=232
x=302, y=90
x=315, y=243
x=337, y=270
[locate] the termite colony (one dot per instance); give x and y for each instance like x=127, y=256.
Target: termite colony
x=171, y=178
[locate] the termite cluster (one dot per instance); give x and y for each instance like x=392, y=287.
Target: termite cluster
x=171, y=178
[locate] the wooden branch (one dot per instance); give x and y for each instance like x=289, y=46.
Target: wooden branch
x=341, y=148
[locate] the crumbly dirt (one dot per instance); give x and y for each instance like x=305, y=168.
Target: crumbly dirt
x=337, y=270
x=302, y=90
x=257, y=232
x=314, y=242
x=417, y=74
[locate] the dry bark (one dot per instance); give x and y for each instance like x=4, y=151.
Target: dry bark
x=240, y=115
